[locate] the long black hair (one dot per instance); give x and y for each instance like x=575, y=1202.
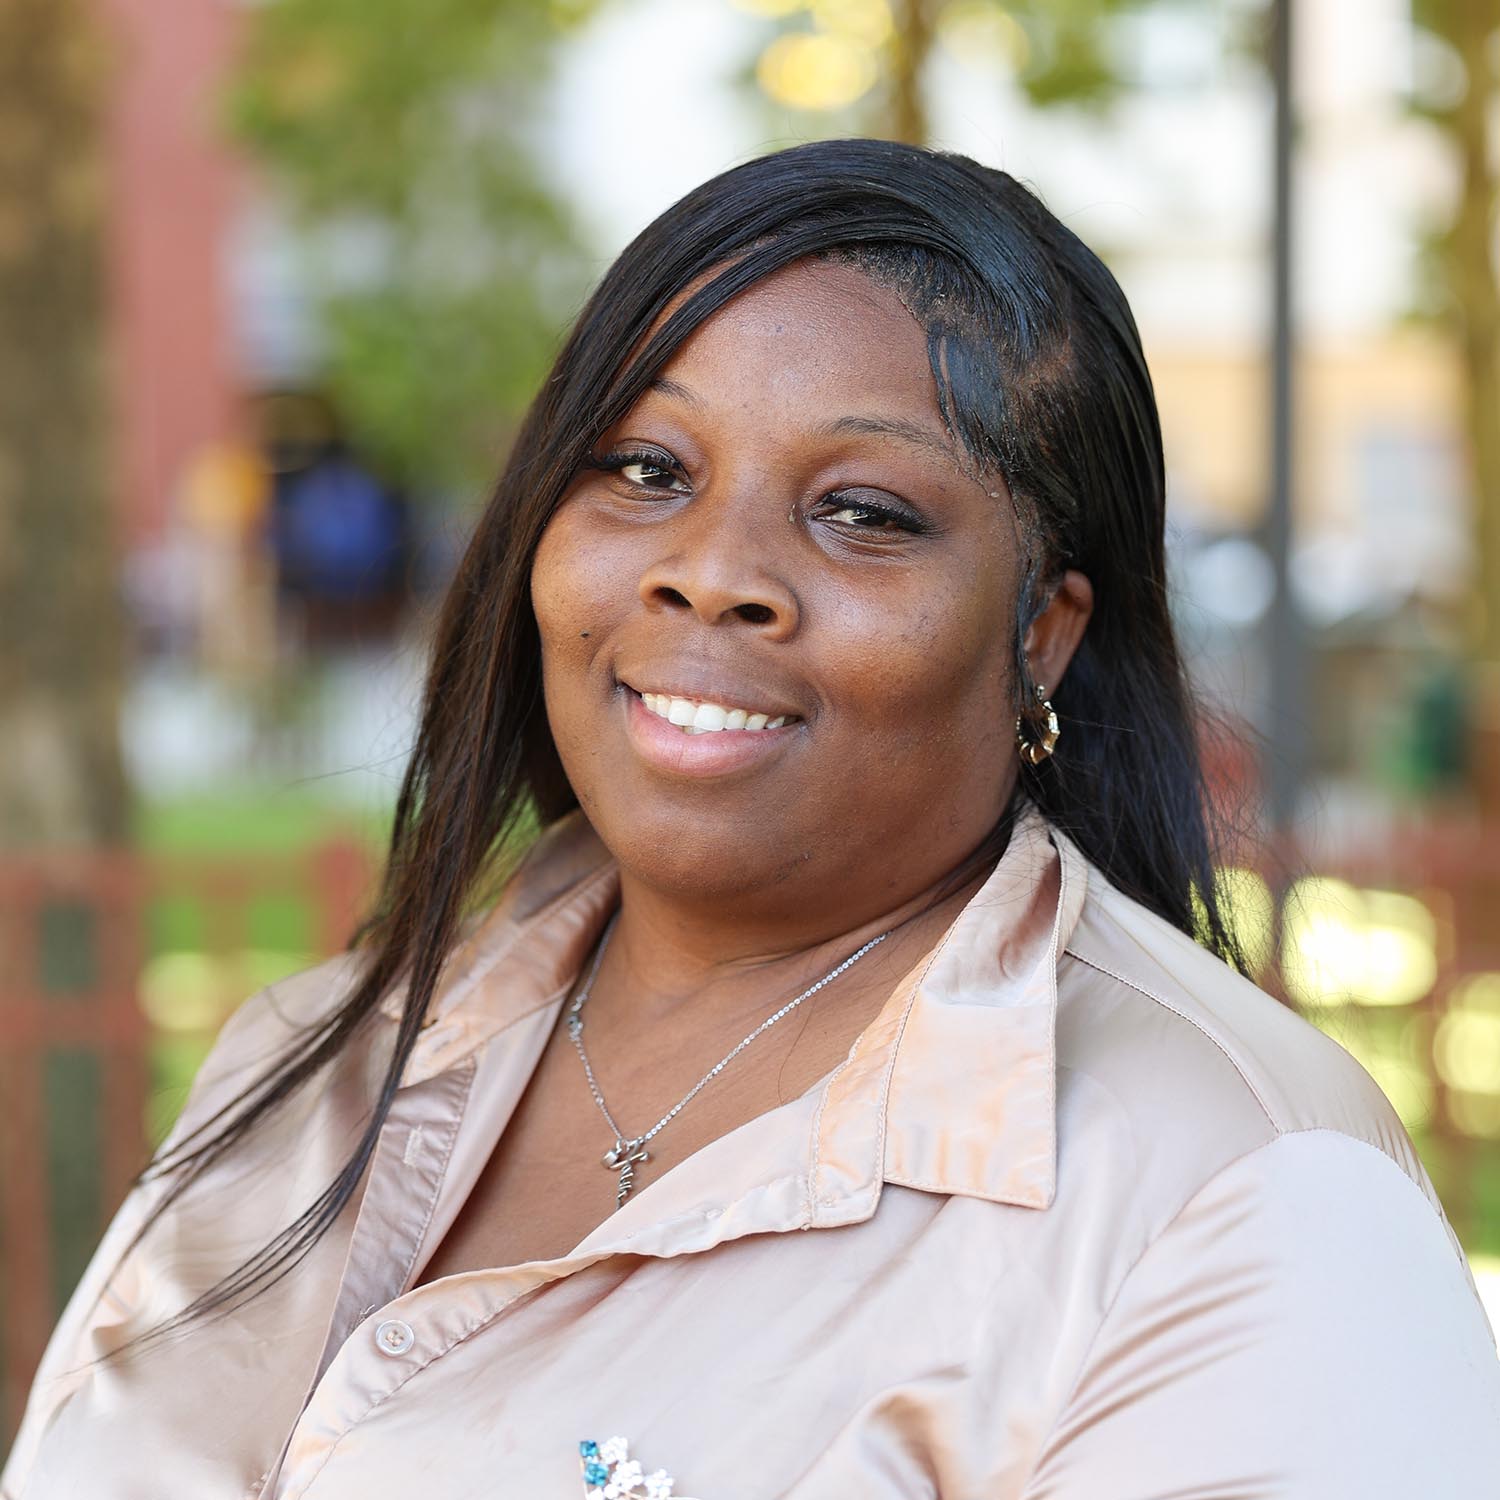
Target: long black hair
x=1040, y=374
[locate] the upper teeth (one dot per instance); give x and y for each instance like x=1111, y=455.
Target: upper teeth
x=699, y=718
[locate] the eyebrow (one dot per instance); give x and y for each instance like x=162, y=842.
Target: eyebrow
x=676, y=391
x=911, y=432
x=897, y=427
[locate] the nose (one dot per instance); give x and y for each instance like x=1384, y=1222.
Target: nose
x=721, y=569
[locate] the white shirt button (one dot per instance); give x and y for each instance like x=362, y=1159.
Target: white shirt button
x=394, y=1337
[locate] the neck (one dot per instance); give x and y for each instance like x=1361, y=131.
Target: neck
x=667, y=954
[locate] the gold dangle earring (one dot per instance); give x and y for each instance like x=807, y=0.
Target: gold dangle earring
x=1036, y=751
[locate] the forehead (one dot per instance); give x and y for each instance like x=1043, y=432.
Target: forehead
x=809, y=330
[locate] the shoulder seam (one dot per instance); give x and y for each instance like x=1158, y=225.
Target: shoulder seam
x=1192, y=1021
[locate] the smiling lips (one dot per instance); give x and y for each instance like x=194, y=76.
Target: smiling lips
x=698, y=716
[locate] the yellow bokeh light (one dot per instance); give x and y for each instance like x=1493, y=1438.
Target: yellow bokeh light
x=1320, y=940
x=1400, y=957
x=1476, y=1114
x=770, y=7
x=867, y=21
x=1476, y=992
x=1368, y=947
x=1395, y=909
x=184, y=991
x=816, y=71
x=1399, y=966
x=1466, y=1045
x=1466, y=1050
x=194, y=992
x=984, y=32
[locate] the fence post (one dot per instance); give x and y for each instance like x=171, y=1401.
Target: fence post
x=341, y=873
x=25, y=1214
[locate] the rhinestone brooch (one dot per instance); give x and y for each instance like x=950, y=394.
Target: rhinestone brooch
x=610, y=1473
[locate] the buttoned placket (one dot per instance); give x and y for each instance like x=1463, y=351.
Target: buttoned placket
x=405, y=1181
x=373, y=1347
x=400, y=1195
x=408, y=1182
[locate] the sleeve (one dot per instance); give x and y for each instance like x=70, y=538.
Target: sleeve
x=248, y=1041
x=1306, y=1328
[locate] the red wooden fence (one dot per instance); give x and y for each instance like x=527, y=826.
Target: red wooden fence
x=73, y=938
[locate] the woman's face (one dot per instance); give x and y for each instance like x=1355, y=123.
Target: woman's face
x=781, y=533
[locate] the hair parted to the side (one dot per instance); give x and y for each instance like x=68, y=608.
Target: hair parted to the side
x=1040, y=375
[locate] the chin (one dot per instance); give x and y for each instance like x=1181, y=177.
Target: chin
x=674, y=851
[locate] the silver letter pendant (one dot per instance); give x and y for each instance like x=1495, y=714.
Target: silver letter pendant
x=624, y=1155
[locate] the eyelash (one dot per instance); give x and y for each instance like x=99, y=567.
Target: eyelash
x=613, y=463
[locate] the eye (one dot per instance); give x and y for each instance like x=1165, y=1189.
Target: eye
x=864, y=514
x=644, y=468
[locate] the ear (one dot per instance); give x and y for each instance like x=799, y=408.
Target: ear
x=1053, y=637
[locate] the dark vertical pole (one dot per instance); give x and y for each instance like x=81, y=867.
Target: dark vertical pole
x=1286, y=648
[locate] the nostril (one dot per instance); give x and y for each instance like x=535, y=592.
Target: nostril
x=671, y=596
x=754, y=614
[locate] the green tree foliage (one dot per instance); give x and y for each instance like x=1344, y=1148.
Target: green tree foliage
x=1070, y=59
x=403, y=135
x=1060, y=52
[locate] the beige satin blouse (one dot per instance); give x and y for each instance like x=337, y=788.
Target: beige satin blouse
x=1082, y=1216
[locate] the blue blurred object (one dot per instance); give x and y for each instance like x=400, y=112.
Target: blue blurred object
x=338, y=533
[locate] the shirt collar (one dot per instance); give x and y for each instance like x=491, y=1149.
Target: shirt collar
x=950, y=1089
x=953, y=1087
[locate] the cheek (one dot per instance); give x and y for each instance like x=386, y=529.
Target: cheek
x=570, y=592
x=937, y=668
x=553, y=588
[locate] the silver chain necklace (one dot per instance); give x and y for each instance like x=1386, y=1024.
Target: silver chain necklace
x=627, y=1151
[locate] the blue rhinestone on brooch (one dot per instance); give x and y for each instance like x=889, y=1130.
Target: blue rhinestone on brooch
x=610, y=1473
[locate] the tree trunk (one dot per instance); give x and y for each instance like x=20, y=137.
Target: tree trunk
x=61, y=615
x=1469, y=263
x=910, y=48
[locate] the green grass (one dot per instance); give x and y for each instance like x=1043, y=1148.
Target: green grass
x=279, y=822
x=279, y=927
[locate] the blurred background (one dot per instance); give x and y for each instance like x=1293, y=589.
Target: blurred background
x=277, y=280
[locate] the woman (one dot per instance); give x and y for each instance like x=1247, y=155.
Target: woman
x=819, y=625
